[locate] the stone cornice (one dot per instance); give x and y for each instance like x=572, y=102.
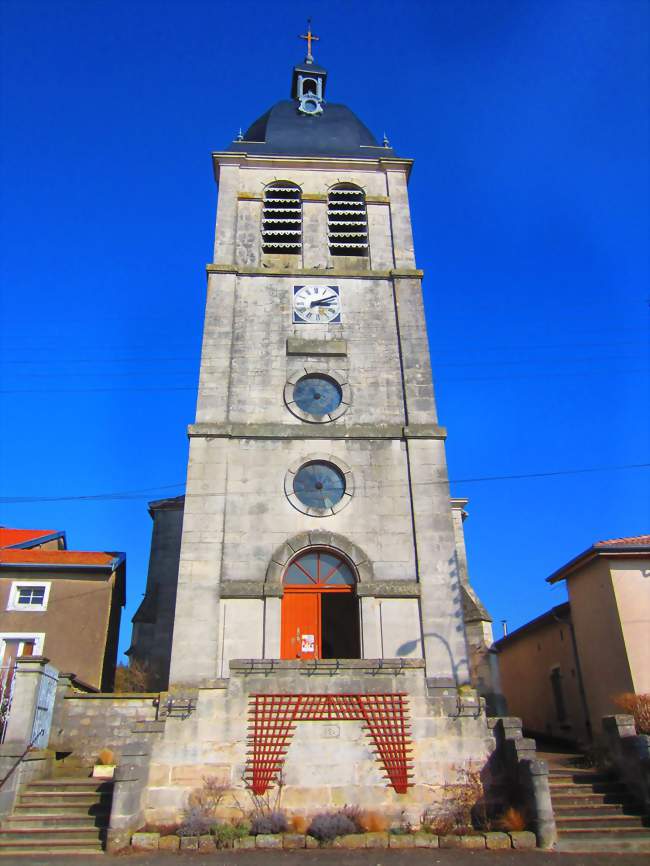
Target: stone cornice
x=212, y=430
x=365, y=589
x=311, y=196
x=349, y=163
x=324, y=273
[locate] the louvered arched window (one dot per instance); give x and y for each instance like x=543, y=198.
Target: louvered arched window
x=347, y=220
x=282, y=218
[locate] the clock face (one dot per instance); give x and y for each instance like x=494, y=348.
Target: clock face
x=314, y=305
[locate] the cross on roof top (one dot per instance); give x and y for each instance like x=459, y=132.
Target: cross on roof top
x=310, y=38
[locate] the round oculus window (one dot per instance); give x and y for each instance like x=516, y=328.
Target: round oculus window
x=319, y=485
x=317, y=395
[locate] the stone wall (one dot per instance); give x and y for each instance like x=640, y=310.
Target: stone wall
x=86, y=723
x=328, y=764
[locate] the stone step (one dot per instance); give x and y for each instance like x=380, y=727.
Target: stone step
x=597, y=788
x=572, y=810
x=616, y=843
x=83, y=834
x=66, y=785
x=49, y=808
x=599, y=822
x=56, y=820
x=588, y=798
x=73, y=797
x=40, y=850
x=582, y=775
x=599, y=832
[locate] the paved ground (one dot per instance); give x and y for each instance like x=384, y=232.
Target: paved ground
x=430, y=857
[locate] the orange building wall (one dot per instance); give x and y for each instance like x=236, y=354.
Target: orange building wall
x=525, y=664
x=76, y=622
x=631, y=582
x=603, y=654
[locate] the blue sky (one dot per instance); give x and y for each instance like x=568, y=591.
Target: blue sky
x=528, y=123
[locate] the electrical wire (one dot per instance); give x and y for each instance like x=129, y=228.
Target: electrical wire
x=145, y=492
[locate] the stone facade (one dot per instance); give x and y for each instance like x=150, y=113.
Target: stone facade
x=328, y=764
x=244, y=526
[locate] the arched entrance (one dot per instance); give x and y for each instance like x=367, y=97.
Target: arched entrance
x=320, y=609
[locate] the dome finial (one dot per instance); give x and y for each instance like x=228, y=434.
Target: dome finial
x=386, y=142
x=310, y=38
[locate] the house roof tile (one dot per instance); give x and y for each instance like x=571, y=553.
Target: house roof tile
x=11, y=537
x=58, y=557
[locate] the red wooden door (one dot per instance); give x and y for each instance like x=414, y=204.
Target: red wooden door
x=300, y=625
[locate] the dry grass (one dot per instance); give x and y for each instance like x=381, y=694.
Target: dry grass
x=512, y=820
x=637, y=706
x=373, y=822
x=106, y=757
x=299, y=823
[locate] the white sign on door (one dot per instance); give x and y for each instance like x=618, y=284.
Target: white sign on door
x=307, y=643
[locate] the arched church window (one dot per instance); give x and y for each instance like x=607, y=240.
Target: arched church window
x=347, y=220
x=309, y=86
x=282, y=218
x=319, y=568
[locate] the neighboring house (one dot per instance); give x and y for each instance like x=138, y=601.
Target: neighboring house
x=65, y=604
x=561, y=671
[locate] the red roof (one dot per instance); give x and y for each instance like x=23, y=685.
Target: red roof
x=9, y=537
x=57, y=557
x=635, y=540
x=630, y=546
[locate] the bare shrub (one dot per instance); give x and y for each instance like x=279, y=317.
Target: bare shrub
x=134, y=677
x=328, y=825
x=203, y=803
x=272, y=822
x=637, y=706
x=462, y=806
x=195, y=823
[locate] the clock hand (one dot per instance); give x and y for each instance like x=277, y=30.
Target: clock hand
x=323, y=301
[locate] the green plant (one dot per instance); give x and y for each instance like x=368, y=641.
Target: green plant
x=637, y=706
x=225, y=833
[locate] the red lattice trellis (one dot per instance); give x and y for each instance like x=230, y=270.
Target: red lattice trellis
x=272, y=721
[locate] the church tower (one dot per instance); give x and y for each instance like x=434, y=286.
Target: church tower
x=317, y=520
x=322, y=575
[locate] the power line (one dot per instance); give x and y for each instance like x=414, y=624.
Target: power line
x=144, y=492
x=437, y=380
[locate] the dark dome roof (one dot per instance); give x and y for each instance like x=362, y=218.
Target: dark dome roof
x=285, y=131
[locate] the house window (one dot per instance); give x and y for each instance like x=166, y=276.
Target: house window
x=347, y=220
x=29, y=596
x=282, y=218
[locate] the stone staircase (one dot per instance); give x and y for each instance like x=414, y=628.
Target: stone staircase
x=58, y=816
x=595, y=812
